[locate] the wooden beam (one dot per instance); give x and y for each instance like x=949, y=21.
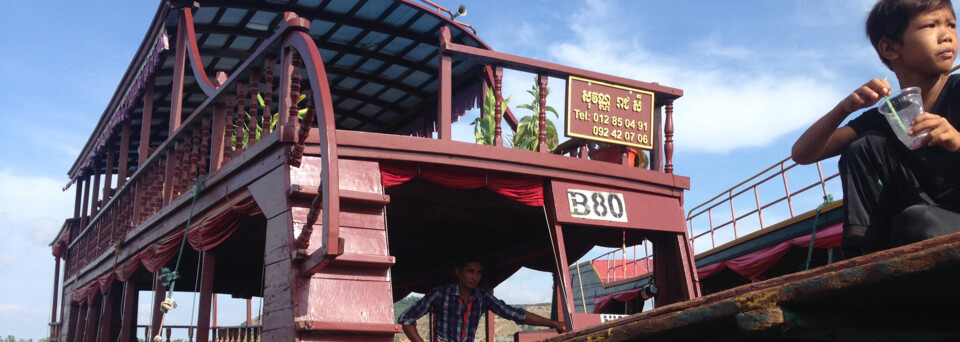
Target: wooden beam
x=144, y=150
x=122, y=168
x=159, y=293
x=206, y=292
x=129, y=322
x=445, y=89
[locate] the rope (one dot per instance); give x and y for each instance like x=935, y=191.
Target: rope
x=169, y=277
x=827, y=199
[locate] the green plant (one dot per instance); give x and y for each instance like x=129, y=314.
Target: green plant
x=484, y=126
x=527, y=136
x=243, y=133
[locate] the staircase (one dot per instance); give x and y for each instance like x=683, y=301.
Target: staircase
x=350, y=298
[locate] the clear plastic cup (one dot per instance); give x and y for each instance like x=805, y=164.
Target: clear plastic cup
x=900, y=110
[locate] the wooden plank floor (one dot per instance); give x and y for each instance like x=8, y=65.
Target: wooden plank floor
x=906, y=293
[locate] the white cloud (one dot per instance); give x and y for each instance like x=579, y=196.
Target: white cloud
x=526, y=287
x=33, y=206
x=6, y=260
x=724, y=107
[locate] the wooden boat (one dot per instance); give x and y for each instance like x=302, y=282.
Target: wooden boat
x=210, y=164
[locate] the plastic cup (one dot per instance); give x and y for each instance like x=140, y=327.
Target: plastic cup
x=900, y=110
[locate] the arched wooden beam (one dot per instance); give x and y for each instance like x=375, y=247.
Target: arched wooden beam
x=329, y=192
x=188, y=32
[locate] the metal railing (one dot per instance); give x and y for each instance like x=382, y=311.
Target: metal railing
x=776, y=172
x=619, y=271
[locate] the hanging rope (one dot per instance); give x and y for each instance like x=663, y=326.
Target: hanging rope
x=168, y=277
x=827, y=199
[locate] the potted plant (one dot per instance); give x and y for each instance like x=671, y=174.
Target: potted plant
x=527, y=136
x=612, y=153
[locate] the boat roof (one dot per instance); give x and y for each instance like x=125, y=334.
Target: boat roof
x=381, y=59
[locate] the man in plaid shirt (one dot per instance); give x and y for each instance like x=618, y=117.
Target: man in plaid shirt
x=458, y=308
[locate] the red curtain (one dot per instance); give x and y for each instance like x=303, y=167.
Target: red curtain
x=599, y=303
x=524, y=189
x=201, y=237
x=752, y=265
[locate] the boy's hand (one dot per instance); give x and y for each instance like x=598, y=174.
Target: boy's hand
x=560, y=327
x=942, y=133
x=865, y=96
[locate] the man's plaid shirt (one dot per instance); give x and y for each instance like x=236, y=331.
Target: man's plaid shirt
x=450, y=312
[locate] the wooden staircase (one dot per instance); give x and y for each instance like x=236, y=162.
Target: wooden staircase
x=350, y=298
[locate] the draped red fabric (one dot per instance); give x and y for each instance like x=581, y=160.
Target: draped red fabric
x=105, y=281
x=601, y=302
x=212, y=232
x=524, y=189
x=127, y=269
x=60, y=248
x=754, y=264
x=163, y=252
x=204, y=236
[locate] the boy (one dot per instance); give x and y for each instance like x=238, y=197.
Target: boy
x=893, y=195
x=458, y=308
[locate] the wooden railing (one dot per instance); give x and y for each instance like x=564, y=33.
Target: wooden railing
x=219, y=334
x=661, y=153
x=212, y=136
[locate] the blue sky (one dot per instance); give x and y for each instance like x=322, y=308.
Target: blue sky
x=754, y=73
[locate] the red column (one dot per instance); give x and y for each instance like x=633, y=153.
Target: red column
x=144, y=150
x=542, y=137
x=206, y=292
x=85, y=211
x=668, y=133
x=93, y=320
x=108, y=174
x=124, y=153
x=53, y=311
x=95, y=196
x=128, y=328
x=81, y=324
x=498, y=106
x=106, y=321
x=159, y=294
x=445, y=83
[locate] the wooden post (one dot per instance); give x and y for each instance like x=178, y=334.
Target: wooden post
x=254, y=106
x=668, y=143
x=206, y=290
x=217, y=137
x=491, y=331
x=79, y=197
x=106, y=321
x=93, y=319
x=498, y=106
x=73, y=319
x=56, y=283
x=128, y=327
x=562, y=273
x=108, y=174
x=144, y=150
x=122, y=167
x=159, y=294
x=542, y=138
x=95, y=196
x=81, y=323
x=179, y=65
x=289, y=94
x=445, y=84
x=213, y=322
x=249, y=312
x=85, y=212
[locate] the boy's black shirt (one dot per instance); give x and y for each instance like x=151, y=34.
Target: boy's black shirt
x=937, y=170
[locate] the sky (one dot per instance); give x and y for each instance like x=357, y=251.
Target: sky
x=755, y=73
